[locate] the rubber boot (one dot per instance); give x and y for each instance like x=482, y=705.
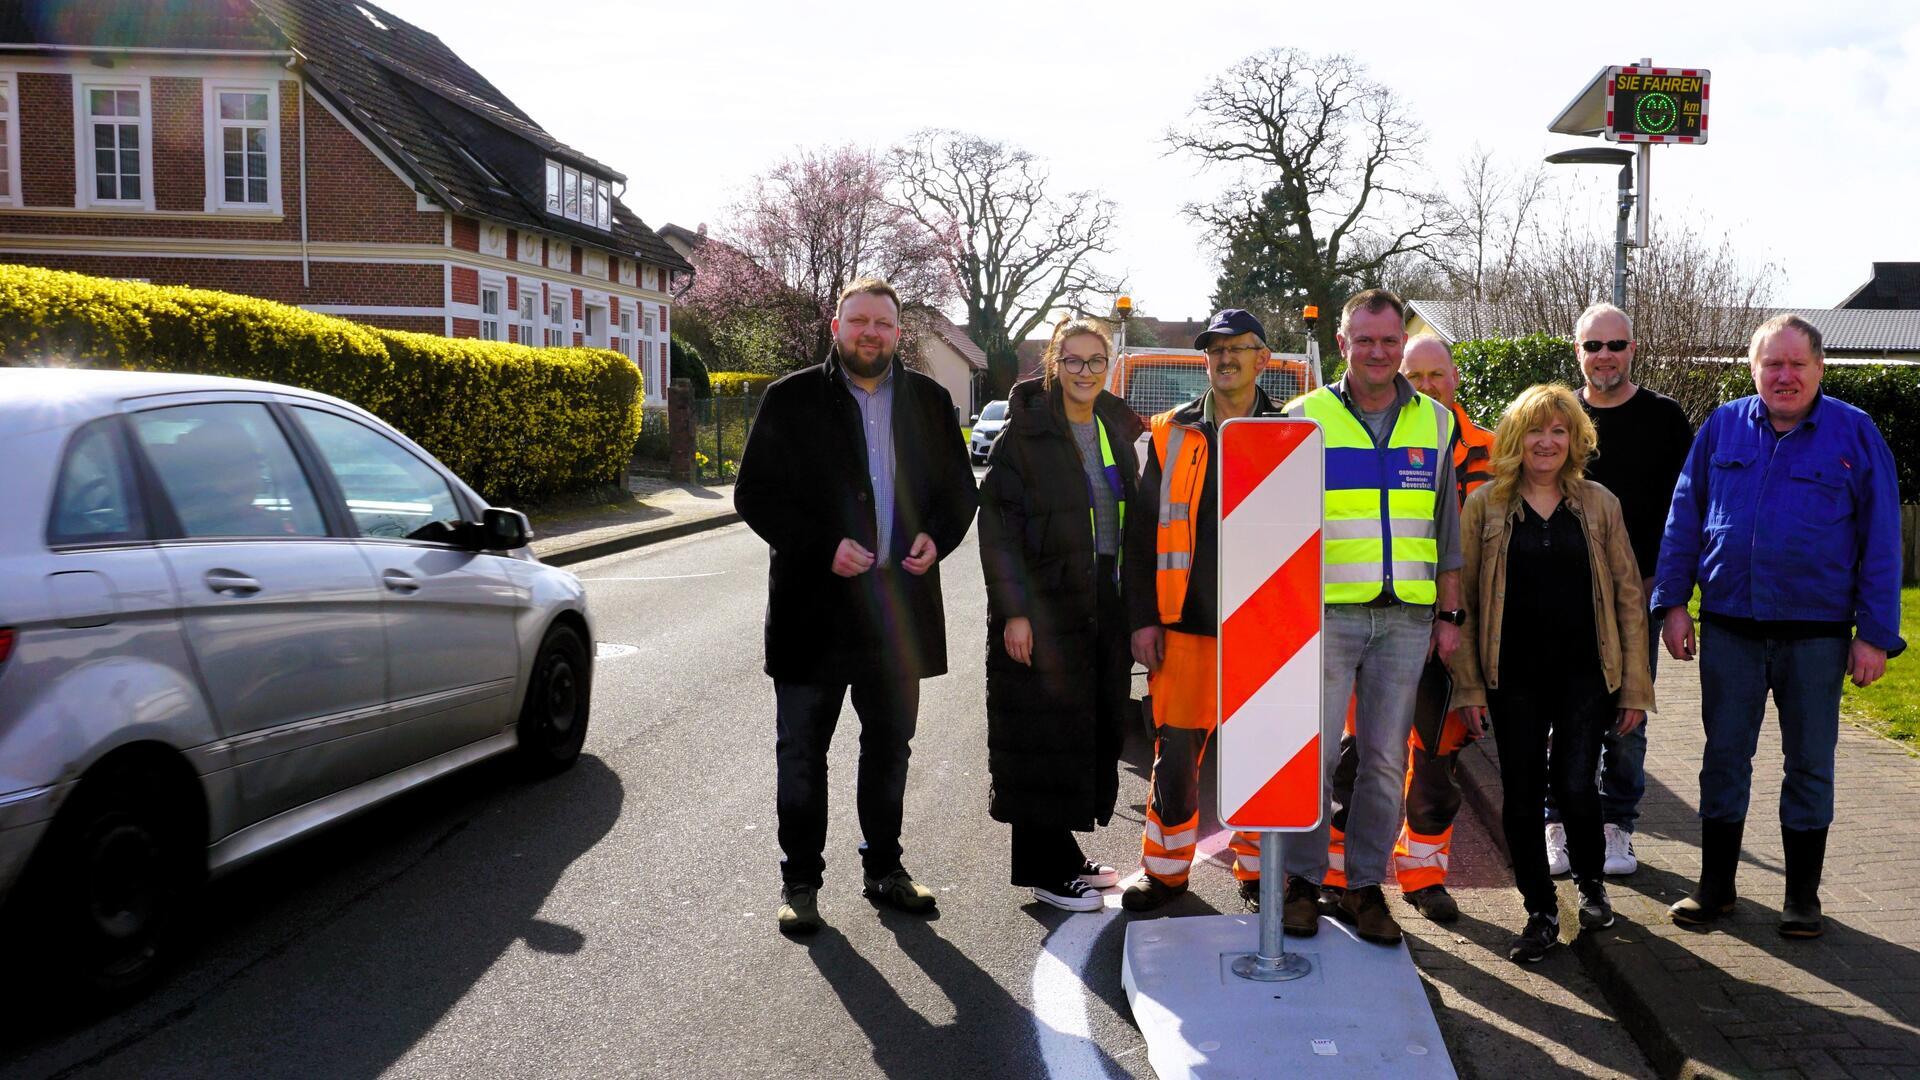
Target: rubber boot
x=1806, y=853
x=1713, y=897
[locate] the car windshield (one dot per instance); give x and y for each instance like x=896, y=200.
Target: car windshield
x=995, y=410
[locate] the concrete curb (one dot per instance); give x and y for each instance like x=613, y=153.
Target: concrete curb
x=1669, y=1028
x=640, y=536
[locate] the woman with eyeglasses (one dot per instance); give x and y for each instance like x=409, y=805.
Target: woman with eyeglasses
x=1554, y=646
x=1052, y=507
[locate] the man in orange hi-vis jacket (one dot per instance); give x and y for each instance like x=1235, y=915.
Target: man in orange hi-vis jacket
x=1171, y=590
x=1433, y=791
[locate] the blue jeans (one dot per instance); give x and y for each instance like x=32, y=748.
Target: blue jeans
x=805, y=715
x=1623, y=760
x=1736, y=673
x=1373, y=655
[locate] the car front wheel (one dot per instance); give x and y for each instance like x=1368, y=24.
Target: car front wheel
x=553, y=722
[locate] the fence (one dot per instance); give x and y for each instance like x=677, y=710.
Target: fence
x=720, y=426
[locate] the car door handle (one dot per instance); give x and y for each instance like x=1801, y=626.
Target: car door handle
x=399, y=581
x=231, y=583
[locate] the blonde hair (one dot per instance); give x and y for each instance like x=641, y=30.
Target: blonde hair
x=1535, y=408
x=1071, y=326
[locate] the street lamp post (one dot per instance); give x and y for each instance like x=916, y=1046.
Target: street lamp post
x=1598, y=155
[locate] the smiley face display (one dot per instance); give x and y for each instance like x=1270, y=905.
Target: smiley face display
x=1656, y=114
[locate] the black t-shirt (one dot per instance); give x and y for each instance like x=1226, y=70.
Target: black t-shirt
x=1643, y=446
x=1546, y=624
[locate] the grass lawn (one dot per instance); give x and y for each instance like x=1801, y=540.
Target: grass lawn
x=1892, y=705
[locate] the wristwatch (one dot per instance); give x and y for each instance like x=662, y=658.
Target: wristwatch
x=1458, y=616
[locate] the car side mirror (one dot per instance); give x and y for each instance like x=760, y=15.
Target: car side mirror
x=974, y=419
x=504, y=530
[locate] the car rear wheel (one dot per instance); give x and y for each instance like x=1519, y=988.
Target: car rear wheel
x=553, y=722
x=108, y=890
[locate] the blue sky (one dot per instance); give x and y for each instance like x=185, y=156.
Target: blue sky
x=1813, y=162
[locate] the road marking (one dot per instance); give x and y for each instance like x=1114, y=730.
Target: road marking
x=663, y=577
x=1067, y=1050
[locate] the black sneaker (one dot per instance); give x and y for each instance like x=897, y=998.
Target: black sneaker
x=1250, y=895
x=1099, y=875
x=1595, y=912
x=799, y=909
x=1542, y=933
x=1076, y=895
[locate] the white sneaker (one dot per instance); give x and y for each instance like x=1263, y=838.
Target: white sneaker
x=1620, y=857
x=1557, y=861
x=1099, y=875
x=1075, y=895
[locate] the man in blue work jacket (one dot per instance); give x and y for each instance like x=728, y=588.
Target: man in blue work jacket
x=1788, y=518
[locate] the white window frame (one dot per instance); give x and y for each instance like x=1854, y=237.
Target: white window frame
x=83, y=157
x=497, y=287
x=559, y=302
x=10, y=191
x=527, y=315
x=593, y=195
x=213, y=127
x=553, y=173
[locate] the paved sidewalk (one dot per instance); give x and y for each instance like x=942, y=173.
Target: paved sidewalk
x=1740, y=1000
x=664, y=510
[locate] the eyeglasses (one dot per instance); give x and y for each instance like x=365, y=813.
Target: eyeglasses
x=1615, y=345
x=1076, y=365
x=1219, y=352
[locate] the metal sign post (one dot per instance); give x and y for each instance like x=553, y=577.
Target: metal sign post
x=1270, y=761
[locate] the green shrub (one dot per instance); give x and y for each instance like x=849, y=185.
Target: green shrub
x=734, y=383
x=1493, y=371
x=685, y=363
x=515, y=422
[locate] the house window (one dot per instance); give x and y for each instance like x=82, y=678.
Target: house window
x=9, y=145
x=490, y=313
x=242, y=116
x=557, y=322
x=527, y=315
x=577, y=196
x=114, y=143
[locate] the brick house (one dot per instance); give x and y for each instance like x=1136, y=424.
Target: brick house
x=322, y=153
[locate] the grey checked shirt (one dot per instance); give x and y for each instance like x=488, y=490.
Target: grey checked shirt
x=876, y=427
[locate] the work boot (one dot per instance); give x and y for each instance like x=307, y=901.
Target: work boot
x=1330, y=900
x=1250, y=896
x=1713, y=897
x=1806, y=853
x=901, y=891
x=1435, y=903
x=799, y=910
x=1595, y=912
x=1365, y=909
x=1300, y=908
x=1149, y=893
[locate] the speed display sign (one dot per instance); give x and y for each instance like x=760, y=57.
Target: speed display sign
x=1656, y=105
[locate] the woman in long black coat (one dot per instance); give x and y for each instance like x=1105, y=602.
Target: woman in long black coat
x=1058, y=668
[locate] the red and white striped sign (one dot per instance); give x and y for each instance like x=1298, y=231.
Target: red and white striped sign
x=1272, y=473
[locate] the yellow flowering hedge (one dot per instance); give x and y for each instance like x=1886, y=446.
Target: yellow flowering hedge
x=735, y=383
x=515, y=422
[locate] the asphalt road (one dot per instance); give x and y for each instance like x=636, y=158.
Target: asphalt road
x=618, y=920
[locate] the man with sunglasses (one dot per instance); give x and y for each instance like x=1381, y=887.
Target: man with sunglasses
x=1172, y=570
x=1644, y=438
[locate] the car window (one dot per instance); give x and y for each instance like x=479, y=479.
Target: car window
x=93, y=501
x=995, y=410
x=228, y=471
x=390, y=492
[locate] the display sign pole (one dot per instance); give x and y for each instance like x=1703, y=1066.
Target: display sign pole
x=1270, y=760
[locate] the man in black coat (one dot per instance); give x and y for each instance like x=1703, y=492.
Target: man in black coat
x=856, y=477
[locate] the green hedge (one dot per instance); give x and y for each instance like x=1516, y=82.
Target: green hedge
x=517, y=423
x=734, y=383
x=686, y=363
x=1494, y=371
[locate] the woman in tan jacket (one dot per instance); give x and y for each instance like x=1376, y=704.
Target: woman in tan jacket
x=1554, y=646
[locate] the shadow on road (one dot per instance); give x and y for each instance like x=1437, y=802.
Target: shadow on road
x=350, y=947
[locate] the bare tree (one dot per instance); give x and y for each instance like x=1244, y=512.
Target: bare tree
x=1490, y=219
x=1016, y=252
x=1328, y=191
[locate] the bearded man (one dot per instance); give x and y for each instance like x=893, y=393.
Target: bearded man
x=856, y=476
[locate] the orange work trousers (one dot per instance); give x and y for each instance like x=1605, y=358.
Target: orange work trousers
x=1185, y=716
x=1432, y=802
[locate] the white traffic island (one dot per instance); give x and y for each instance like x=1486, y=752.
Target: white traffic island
x=1360, y=1010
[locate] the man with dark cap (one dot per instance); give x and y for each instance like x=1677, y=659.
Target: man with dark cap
x=1172, y=569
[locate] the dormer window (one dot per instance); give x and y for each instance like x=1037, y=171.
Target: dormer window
x=578, y=196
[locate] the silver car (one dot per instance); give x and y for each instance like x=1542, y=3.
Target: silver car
x=232, y=613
